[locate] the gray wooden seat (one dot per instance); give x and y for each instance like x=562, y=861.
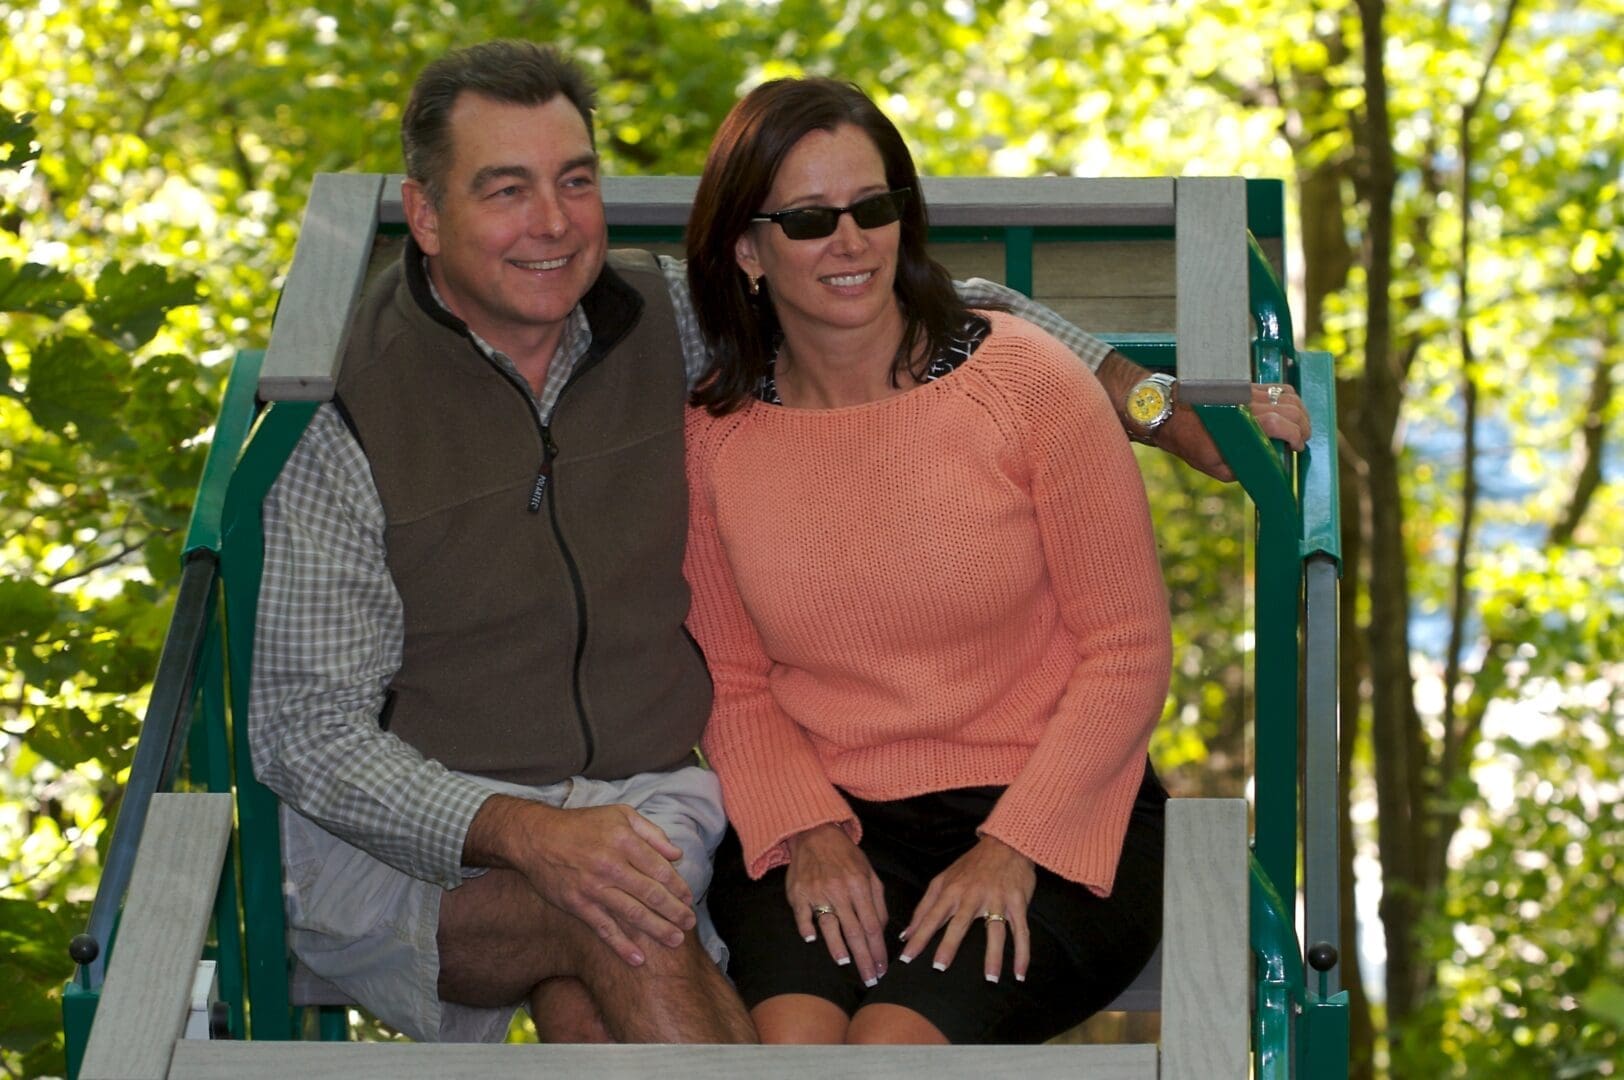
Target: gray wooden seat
x=138, y=1029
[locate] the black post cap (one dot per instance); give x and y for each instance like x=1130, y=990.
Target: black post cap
x=1322, y=956
x=84, y=949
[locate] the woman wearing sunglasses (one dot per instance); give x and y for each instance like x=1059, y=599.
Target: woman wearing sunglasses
x=926, y=584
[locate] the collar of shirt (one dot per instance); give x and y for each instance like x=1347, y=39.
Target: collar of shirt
x=577, y=338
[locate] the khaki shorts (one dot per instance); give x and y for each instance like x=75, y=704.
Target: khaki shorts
x=369, y=929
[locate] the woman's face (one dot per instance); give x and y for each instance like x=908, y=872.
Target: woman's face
x=843, y=280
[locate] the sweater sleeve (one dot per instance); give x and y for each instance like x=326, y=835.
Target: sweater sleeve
x=1068, y=809
x=773, y=784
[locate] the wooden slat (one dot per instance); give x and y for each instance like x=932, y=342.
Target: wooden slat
x=1206, y=972
x=1115, y=314
x=329, y=266
x=160, y=939
x=967, y=260
x=1214, y=320
x=957, y=201
x=387, y=1061
x=1104, y=268
x=1049, y=200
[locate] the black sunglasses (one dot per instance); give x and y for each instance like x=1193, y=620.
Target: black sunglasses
x=816, y=222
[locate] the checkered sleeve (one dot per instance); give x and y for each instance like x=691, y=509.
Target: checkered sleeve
x=328, y=641
x=976, y=293
x=979, y=292
x=695, y=353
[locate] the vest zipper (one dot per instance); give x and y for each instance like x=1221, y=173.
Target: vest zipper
x=538, y=496
x=544, y=473
x=551, y=451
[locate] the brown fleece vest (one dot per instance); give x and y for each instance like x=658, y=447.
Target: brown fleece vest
x=544, y=620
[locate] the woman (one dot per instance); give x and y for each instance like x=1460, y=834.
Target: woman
x=926, y=584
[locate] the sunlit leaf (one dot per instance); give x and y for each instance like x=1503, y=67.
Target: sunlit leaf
x=17, y=136
x=75, y=381
x=36, y=289
x=132, y=302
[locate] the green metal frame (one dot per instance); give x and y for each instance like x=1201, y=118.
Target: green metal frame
x=1296, y=1031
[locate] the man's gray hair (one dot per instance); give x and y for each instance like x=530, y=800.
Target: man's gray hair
x=515, y=72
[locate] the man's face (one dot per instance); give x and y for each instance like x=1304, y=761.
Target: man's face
x=519, y=236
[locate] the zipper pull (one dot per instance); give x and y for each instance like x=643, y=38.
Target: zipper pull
x=544, y=475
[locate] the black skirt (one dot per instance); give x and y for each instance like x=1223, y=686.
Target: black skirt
x=1085, y=949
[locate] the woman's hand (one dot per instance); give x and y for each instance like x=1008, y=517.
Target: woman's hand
x=834, y=892
x=991, y=879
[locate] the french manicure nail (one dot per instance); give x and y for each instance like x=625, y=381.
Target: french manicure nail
x=810, y=938
x=1019, y=977
x=938, y=965
x=843, y=961
x=905, y=958
x=871, y=983
x=992, y=978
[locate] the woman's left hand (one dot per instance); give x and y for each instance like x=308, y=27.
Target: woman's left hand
x=990, y=879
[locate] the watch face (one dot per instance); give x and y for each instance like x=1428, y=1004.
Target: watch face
x=1147, y=403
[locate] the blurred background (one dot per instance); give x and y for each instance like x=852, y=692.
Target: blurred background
x=1452, y=173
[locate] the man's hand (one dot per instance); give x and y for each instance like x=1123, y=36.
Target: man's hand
x=1275, y=406
x=1281, y=416
x=608, y=866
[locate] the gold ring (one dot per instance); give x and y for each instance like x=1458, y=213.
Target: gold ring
x=820, y=910
x=1274, y=394
x=993, y=916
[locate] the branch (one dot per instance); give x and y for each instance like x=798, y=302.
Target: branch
x=1593, y=432
x=102, y=563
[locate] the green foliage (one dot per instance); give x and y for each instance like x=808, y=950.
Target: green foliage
x=99, y=432
x=30, y=1024
x=1530, y=942
x=154, y=160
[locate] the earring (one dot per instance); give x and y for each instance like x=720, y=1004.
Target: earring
x=755, y=284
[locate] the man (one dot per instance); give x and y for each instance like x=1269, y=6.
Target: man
x=472, y=687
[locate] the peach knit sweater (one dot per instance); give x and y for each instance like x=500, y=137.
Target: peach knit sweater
x=950, y=587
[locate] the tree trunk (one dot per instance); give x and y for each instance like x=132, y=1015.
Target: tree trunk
x=1395, y=725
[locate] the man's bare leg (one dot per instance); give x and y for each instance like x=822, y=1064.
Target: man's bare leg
x=499, y=941
x=564, y=1012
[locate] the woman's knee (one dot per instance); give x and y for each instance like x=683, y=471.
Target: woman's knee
x=887, y=1024
x=800, y=1019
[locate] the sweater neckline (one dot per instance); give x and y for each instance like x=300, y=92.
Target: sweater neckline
x=978, y=335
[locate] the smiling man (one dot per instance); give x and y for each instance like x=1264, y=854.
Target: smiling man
x=472, y=687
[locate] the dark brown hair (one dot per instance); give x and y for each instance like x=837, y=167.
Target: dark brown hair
x=742, y=331
x=515, y=72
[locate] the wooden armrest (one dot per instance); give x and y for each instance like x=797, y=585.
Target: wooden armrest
x=147, y=994
x=329, y=270
x=1206, y=964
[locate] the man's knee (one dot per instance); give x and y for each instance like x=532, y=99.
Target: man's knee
x=564, y=1012
x=662, y=963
